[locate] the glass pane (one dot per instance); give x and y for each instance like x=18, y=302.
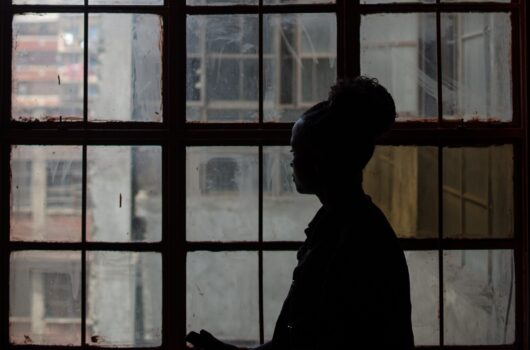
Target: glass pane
x=47, y=67
x=475, y=0
x=478, y=192
x=124, y=299
x=424, y=295
x=479, y=297
x=277, y=277
x=125, y=67
x=394, y=1
x=46, y=191
x=402, y=182
x=222, y=296
x=45, y=298
x=48, y=2
x=404, y=60
x=222, y=68
x=222, y=193
x=126, y=2
x=300, y=56
x=124, y=193
x=274, y=2
x=285, y=212
x=476, y=66
x=222, y=2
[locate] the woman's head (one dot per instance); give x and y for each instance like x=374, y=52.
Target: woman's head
x=335, y=139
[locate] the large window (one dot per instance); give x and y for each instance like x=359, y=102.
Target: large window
x=145, y=183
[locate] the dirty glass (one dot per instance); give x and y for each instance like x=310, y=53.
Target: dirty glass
x=124, y=193
x=475, y=1
x=476, y=66
x=126, y=2
x=48, y=2
x=478, y=192
x=222, y=68
x=46, y=191
x=404, y=60
x=402, y=181
x=300, y=63
x=125, y=67
x=394, y=1
x=222, y=2
x=124, y=299
x=479, y=297
x=222, y=193
x=47, y=67
x=286, y=213
x=277, y=277
x=222, y=296
x=45, y=298
x=282, y=2
x=424, y=295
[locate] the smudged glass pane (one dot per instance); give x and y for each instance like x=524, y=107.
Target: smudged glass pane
x=45, y=298
x=277, y=277
x=124, y=299
x=424, y=295
x=126, y=2
x=222, y=296
x=222, y=193
x=476, y=66
x=222, y=68
x=286, y=213
x=404, y=60
x=274, y=2
x=222, y=2
x=402, y=182
x=48, y=2
x=125, y=67
x=46, y=191
x=47, y=67
x=478, y=192
x=479, y=297
x=394, y=1
x=300, y=56
x=475, y=1
x=124, y=193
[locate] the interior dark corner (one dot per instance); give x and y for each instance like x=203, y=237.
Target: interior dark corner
x=146, y=188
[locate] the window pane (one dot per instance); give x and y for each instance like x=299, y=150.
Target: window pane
x=222, y=193
x=125, y=67
x=222, y=2
x=299, y=63
x=45, y=298
x=222, y=296
x=402, y=182
x=222, y=68
x=476, y=66
x=394, y=1
x=479, y=297
x=403, y=60
x=277, y=277
x=124, y=193
x=124, y=299
x=475, y=1
x=126, y=2
x=274, y=2
x=424, y=295
x=285, y=212
x=46, y=191
x=478, y=192
x=47, y=67
x=48, y=2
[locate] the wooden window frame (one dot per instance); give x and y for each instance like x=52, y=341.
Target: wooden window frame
x=174, y=135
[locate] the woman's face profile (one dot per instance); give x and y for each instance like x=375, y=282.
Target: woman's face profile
x=303, y=164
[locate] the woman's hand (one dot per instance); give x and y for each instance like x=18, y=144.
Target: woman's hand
x=206, y=341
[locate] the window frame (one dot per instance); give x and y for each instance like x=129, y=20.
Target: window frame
x=174, y=134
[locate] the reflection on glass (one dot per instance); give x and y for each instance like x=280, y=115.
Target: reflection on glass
x=402, y=182
x=46, y=191
x=125, y=67
x=285, y=212
x=45, y=298
x=124, y=193
x=300, y=52
x=222, y=296
x=47, y=67
x=277, y=276
x=124, y=299
x=476, y=66
x=404, y=60
x=424, y=295
x=222, y=193
x=479, y=297
x=478, y=192
x=222, y=68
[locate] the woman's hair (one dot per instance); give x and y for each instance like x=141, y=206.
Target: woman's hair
x=356, y=113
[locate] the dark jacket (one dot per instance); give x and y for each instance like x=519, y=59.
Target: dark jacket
x=350, y=289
